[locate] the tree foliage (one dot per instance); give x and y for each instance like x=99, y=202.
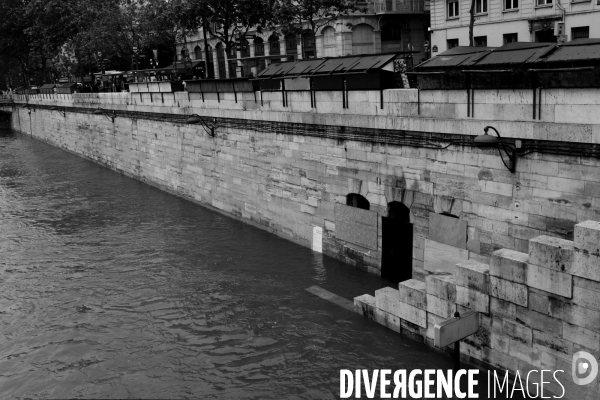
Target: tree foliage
x=297, y=16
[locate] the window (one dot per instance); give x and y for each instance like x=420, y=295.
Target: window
x=197, y=53
x=453, y=9
x=510, y=37
x=544, y=2
x=481, y=6
x=452, y=43
x=480, y=41
x=511, y=4
x=580, y=32
x=259, y=47
x=274, y=45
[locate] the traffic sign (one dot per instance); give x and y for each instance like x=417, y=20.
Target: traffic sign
x=454, y=329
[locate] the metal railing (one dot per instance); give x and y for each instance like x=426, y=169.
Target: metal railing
x=399, y=6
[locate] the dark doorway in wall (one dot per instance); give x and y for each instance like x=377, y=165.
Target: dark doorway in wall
x=358, y=201
x=545, y=36
x=397, y=243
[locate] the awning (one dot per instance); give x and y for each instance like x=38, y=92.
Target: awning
x=516, y=53
x=462, y=55
x=327, y=66
x=576, y=51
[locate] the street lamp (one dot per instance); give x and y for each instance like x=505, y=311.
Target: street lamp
x=106, y=113
x=487, y=141
x=209, y=129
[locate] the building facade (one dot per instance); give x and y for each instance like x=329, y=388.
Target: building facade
x=498, y=22
x=387, y=26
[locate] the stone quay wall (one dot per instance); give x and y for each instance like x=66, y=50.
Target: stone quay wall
x=289, y=169
x=537, y=309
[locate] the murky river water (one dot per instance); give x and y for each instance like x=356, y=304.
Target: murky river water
x=112, y=288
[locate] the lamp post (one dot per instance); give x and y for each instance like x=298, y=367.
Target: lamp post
x=209, y=129
x=487, y=141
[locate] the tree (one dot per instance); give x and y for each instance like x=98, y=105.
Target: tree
x=298, y=16
x=227, y=20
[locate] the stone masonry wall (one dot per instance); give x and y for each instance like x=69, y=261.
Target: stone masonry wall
x=537, y=309
x=289, y=183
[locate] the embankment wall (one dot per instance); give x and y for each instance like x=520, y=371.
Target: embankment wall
x=290, y=169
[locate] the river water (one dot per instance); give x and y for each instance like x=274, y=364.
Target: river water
x=111, y=288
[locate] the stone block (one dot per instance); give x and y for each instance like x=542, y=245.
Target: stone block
x=388, y=300
x=440, y=307
x=473, y=275
x=539, y=321
x=509, y=265
x=556, y=344
x=550, y=280
x=502, y=308
x=513, y=330
x=441, y=286
x=551, y=252
x=509, y=291
x=586, y=294
x=563, y=309
x=582, y=336
x=365, y=306
x=472, y=299
x=413, y=315
x=413, y=292
x=585, y=265
x=388, y=320
x=587, y=237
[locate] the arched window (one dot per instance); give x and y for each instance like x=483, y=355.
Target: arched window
x=259, y=47
x=197, y=53
x=274, y=47
x=290, y=44
x=308, y=44
x=362, y=39
x=183, y=53
x=329, y=42
x=358, y=201
x=245, y=48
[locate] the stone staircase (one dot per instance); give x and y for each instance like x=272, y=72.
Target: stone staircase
x=536, y=309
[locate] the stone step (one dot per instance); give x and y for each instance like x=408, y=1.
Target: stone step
x=413, y=292
x=441, y=286
x=551, y=252
x=509, y=265
x=587, y=237
x=473, y=275
x=388, y=300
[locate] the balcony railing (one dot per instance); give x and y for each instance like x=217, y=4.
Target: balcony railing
x=400, y=6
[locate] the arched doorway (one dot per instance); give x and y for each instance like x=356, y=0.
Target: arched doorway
x=397, y=243
x=197, y=53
